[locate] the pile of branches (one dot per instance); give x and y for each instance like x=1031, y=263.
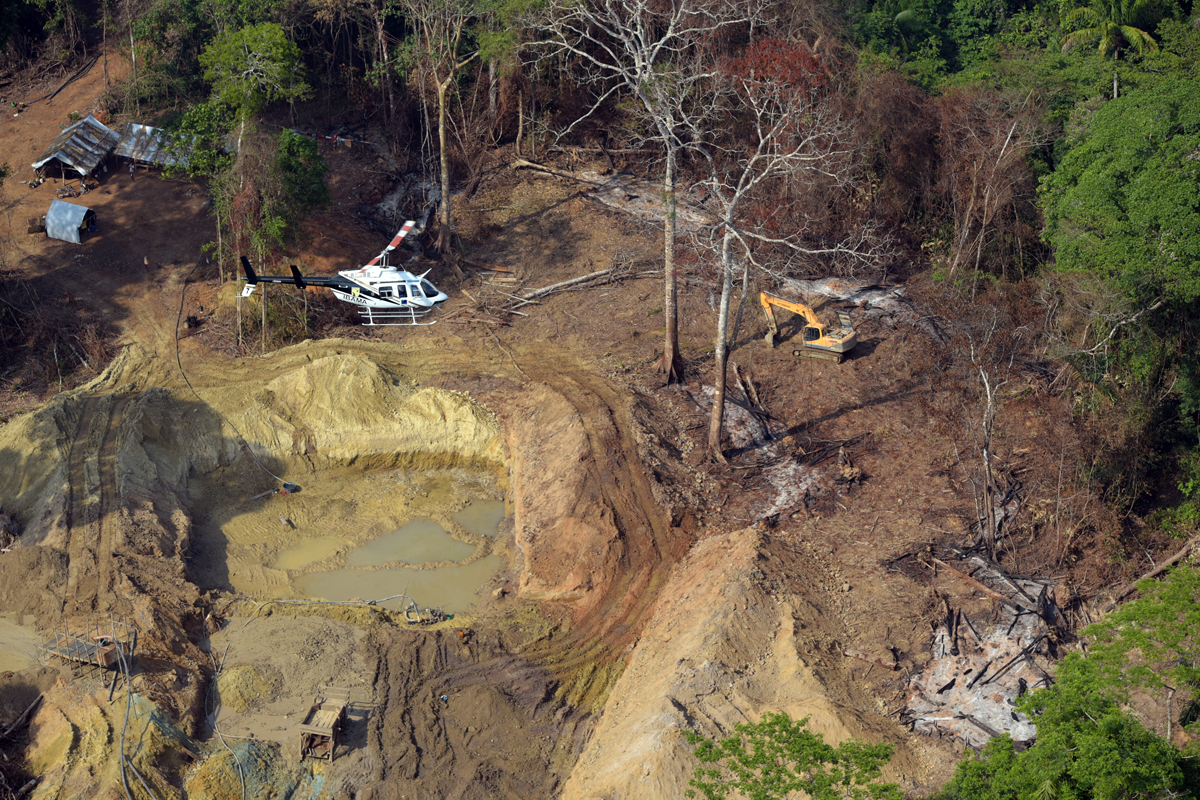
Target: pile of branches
x=48, y=341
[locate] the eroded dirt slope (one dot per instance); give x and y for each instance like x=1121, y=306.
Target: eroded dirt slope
x=738, y=631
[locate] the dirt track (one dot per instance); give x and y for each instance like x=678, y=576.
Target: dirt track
x=91, y=476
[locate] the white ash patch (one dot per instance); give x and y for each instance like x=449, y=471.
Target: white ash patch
x=790, y=479
x=887, y=301
x=949, y=698
x=643, y=199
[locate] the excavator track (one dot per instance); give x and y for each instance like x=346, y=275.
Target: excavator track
x=820, y=355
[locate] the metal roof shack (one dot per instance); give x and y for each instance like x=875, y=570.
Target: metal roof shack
x=148, y=145
x=64, y=220
x=81, y=146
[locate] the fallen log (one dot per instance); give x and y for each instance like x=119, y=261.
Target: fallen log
x=19, y=719
x=620, y=151
x=1024, y=653
x=521, y=163
x=999, y=571
x=992, y=593
x=978, y=675
x=1154, y=573
x=872, y=659
x=591, y=276
x=485, y=265
x=990, y=731
x=758, y=417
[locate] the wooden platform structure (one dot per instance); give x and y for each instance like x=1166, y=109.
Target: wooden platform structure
x=323, y=724
x=92, y=644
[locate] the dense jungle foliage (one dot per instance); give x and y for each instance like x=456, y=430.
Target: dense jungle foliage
x=1052, y=144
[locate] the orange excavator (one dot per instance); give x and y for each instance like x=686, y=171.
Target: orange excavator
x=827, y=344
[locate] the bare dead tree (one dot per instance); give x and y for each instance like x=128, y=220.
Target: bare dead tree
x=988, y=359
x=783, y=126
x=984, y=142
x=440, y=27
x=634, y=46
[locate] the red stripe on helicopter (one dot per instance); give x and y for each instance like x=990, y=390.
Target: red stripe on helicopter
x=408, y=226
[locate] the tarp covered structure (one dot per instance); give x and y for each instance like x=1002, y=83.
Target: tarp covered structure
x=150, y=146
x=81, y=146
x=64, y=220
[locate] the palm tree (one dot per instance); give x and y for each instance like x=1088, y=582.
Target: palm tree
x=1111, y=24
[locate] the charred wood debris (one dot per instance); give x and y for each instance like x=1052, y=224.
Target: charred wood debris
x=981, y=666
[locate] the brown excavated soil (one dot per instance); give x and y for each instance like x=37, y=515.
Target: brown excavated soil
x=638, y=598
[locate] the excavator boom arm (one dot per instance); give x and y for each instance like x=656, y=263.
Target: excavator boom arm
x=769, y=300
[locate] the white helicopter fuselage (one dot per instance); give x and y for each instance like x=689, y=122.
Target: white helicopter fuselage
x=388, y=289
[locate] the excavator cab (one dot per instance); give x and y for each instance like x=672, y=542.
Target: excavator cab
x=817, y=340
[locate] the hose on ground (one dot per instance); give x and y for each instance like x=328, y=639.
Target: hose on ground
x=211, y=698
x=125, y=727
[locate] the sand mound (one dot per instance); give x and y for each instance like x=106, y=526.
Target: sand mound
x=734, y=634
x=240, y=686
x=348, y=410
x=73, y=744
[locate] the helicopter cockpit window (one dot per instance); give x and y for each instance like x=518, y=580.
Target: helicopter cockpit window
x=413, y=290
x=428, y=288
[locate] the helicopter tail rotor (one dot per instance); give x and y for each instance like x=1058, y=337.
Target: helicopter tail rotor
x=251, y=277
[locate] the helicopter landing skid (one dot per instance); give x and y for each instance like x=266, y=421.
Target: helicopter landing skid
x=392, y=318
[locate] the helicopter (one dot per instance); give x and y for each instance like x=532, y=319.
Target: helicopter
x=384, y=294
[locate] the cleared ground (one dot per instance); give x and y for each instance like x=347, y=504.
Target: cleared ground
x=642, y=592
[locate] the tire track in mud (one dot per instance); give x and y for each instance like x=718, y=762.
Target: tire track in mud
x=109, y=497
x=80, y=516
x=91, y=530
x=463, y=745
x=76, y=470
x=650, y=542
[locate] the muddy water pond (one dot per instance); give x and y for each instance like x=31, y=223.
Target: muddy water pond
x=310, y=551
x=419, y=542
x=350, y=534
x=450, y=588
x=481, y=518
